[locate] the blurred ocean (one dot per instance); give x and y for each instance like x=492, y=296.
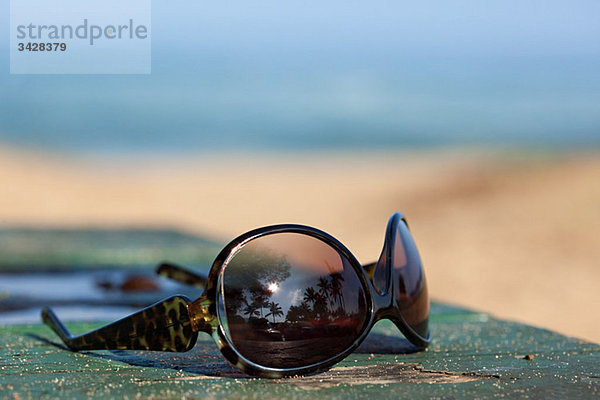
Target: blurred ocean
x=284, y=77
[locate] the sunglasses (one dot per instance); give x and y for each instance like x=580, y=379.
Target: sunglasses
x=279, y=301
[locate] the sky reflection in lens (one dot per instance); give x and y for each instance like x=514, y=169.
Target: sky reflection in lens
x=290, y=300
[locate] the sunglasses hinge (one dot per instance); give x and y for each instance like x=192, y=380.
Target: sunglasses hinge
x=202, y=315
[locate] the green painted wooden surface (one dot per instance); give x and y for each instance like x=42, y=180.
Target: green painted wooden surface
x=51, y=249
x=472, y=355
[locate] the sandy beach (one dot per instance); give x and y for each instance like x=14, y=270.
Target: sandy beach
x=513, y=234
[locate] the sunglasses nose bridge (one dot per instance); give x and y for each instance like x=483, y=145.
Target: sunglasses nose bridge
x=382, y=306
x=380, y=273
x=381, y=301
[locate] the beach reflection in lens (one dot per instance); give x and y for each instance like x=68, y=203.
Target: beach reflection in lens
x=412, y=297
x=291, y=300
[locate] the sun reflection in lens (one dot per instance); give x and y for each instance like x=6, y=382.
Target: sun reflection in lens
x=273, y=287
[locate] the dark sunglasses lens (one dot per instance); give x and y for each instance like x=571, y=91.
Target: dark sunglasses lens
x=290, y=300
x=411, y=287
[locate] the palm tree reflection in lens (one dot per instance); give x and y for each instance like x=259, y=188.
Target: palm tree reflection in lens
x=291, y=300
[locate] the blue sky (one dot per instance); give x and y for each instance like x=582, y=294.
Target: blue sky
x=330, y=73
x=439, y=27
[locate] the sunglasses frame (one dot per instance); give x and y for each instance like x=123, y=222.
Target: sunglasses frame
x=185, y=319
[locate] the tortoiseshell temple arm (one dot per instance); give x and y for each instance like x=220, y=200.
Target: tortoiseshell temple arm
x=181, y=274
x=164, y=326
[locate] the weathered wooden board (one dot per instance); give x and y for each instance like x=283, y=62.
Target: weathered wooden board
x=67, y=249
x=473, y=355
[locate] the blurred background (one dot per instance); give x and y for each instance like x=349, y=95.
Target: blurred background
x=481, y=122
